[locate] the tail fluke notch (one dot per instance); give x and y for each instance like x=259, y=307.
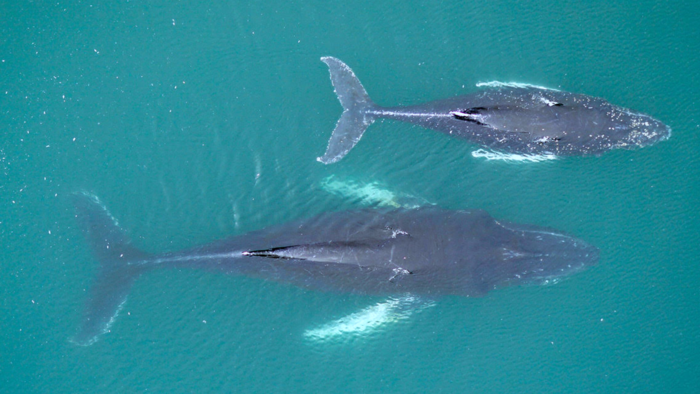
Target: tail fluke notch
x=356, y=115
x=119, y=267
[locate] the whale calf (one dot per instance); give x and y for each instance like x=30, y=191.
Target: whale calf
x=505, y=117
x=404, y=254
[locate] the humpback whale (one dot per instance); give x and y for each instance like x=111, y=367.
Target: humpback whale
x=407, y=254
x=505, y=117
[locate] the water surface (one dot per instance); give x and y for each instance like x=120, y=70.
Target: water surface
x=196, y=121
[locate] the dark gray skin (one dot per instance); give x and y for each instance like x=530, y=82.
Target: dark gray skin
x=510, y=118
x=428, y=252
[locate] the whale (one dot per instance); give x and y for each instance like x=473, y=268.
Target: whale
x=412, y=256
x=511, y=118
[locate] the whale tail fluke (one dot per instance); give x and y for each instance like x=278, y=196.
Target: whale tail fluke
x=356, y=116
x=119, y=267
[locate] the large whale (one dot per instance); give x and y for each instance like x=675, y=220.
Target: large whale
x=509, y=118
x=425, y=252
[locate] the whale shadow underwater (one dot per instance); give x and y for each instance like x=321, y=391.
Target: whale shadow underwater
x=417, y=255
x=506, y=118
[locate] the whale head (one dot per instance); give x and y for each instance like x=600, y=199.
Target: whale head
x=635, y=130
x=539, y=256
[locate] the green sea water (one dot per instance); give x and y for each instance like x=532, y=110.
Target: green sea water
x=193, y=121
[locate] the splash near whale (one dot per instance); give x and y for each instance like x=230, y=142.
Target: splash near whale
x=507, y=118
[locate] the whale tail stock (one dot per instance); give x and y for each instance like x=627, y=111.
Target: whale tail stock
x=357, y=108
x=118, y=269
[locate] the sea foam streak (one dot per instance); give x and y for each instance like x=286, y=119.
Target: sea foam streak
x=492, y=155
x=499, y=84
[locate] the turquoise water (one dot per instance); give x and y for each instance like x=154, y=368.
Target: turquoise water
x=194, y=122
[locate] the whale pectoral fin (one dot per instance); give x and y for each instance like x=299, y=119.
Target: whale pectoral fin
x=369, y=320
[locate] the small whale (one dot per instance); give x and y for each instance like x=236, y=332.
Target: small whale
x=412, y=256
x=505, y=117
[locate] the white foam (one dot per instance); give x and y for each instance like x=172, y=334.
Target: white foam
x=516, y=157
x=102, y=205
x=85, y=344
x=550, y=282
x=369, y=319
x=499, y=84
x=114, y=317
x=104, y=329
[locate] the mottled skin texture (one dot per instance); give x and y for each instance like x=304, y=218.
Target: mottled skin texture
x=426, y=252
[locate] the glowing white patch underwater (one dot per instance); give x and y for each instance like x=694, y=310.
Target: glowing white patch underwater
x=99, y=202
x=369, y=193
x=369, y=319
x=491, y=155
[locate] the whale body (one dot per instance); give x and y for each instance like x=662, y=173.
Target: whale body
x=505, y=117
x=426, y=252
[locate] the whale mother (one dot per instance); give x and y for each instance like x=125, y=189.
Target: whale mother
x=425, y=253
x=509, y=118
